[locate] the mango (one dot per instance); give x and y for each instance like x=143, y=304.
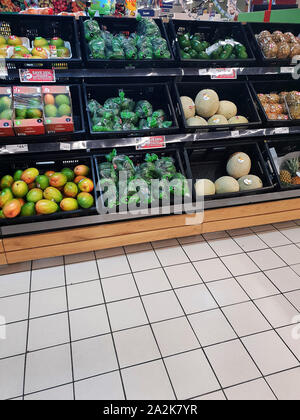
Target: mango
x=49, y=173
x=2, y=214
x=34, y=195
x=69, y=204
x=19, y=189
x=86, y=185
x=78, y=179
x=70, y=189
x=29, y=175
x=12, y=209
x=53, y=194
x=6, y=181
x=5, y=196
x=17, y=175
x=58, y=180
x=81, y=170
x=69, y=174
x=42, y=182
x=46, y=207
x=85, y=200
x=28, y=209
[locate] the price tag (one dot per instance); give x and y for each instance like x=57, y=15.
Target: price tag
x=17, y=148
x=223, y=73
x=235, y=133
x=287, y=69
x=3, y=68
x=157, y=142
x=37, y=75
x=202, y=72
x=65, y=146
x=282, y=130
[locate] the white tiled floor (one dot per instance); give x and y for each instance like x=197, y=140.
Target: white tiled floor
x=209, y=317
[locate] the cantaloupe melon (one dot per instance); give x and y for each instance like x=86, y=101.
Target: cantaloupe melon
x=207, y=103
x=250, y=182
x=228, y=109
x=194, y=121
x=205, y=187
x=226, y=184
x=217, y=120
x=239, y=119
x=238, y=165
x=188, y=106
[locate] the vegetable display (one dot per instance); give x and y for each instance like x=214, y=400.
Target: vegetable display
x=289, y=172
x=121, y=113
x=30, y=193
x=278, y=45
x=195, y=47
x=282, y=106
x=124, y=182
x=144, y=44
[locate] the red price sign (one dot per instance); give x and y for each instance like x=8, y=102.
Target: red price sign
x=37, y=75
x=223, y=74
x=156, y=142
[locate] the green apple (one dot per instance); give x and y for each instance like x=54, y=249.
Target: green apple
x=64, y=110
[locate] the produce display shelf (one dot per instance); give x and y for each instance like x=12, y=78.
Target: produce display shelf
x=18, y=145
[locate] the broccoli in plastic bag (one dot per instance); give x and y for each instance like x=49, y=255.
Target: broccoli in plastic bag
x=179, y=185
x=127, y=104
x=147, y=27
x=143, y=109
x=106, y=170
x=121, y=162
x=160, y=48
x=95, y=108
x=111, y=106
x=129, y=117
x=166, y=167
x=160, y=114
x=91, y=29
x=97, y=48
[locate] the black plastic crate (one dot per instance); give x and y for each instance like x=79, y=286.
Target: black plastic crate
x=30, y=26
x=283, y=146
x=138, y=157
x=116, y=25
x=275, y=86
x=210, y=162
x=211, y=32
x=44, y=163
x=257, y=27
x=158, y=94
x=237, y=92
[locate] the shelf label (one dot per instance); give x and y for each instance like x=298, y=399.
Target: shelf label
x=65, y=146
x=156, y=142
x=287, y=70
x=235, y=133
x=17, y=148
x=282, y=130
x=223, y=73
x=3, y=68
x=37, y=75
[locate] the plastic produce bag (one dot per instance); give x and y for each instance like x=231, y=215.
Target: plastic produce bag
x=91, y=29
x=129, y=117
x=143, y=109
x=160, y=48
x=166, y=167
x=121, y=162
x=106, y=170
x=147, y=27
x=97, y=48
x=179, y=185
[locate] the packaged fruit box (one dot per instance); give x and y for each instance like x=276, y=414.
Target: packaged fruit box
x=6, y=112
x=47, y=188
x=28, y=110
x=58, y=115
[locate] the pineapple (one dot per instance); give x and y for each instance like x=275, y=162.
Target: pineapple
x=292, y=165
x=285, y=177
x=296, y=180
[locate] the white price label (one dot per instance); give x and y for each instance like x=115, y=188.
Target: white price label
x=17, y=148
x=223, y=73
x=282, y=130
x=235, y=133
x=287, y=69
x=202, y=72
x=65, y=146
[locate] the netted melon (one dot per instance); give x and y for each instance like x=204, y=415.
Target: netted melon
x=238, y=165
x=226, y=184
x=193, y=121
x=250, y=182
x=188, y=106
x=228, y=109
x=205, y=187
x=217, y=120
x=207, y=103
x=239, y=119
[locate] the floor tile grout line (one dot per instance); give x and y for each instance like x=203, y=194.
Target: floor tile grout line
x=187, y=319
x=111, y=331
x=69, y=328
x=150, y=326
x=27, y=335
x=240, y=340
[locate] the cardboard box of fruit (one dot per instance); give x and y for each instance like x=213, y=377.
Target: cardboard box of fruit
x=58, y=113
x=6, y=112
x=28, y=110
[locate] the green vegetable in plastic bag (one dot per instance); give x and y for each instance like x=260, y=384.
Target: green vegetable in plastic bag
x=91, y=29
x=164, y=124
x=145, y=53
x=127, y=104
x=97, y=48
x=95, y=108
x=147, y=27
x=143, y=124
x=166, y=167
x=160, y=114
x=106, y=170
x=129, y=117
x=111, y=106
x=152, y=122
x=179, y=185
x=143, y=109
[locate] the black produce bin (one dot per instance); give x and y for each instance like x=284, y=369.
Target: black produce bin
x=275, y=86
x=138, y=157
x=126, y=25
x=47, y=27
x=211, y=32
x=158, y=94
x=237, y=92
x=43, y=163
x=206, y=161
x=256, y=28
x=283, y=146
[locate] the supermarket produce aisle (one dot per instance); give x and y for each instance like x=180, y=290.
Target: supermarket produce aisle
x=208, y=317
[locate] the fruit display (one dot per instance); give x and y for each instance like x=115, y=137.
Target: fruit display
x=237, y=179
x=289, y=172
x=28, y=110
x=29, y=192
x=207, y=109
x=279, y=45
x=6, y=112
x=40, y=48
x=281, y=106
x=146, y=43
x=195, y=47
x=123, y=114
x=57, y=109
x=137, y=188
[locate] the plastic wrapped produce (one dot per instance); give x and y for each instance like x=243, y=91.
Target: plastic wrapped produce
x=147, y=27
x=166, y=167
x=91, y=29
x=179, y=185
x=160, y=114
x=143, y=109
x=270, y=50
x=160, y=48
x=106, y=170
x=129, y=117
x=127, y=104
x=284, y=50
x=97, y=47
